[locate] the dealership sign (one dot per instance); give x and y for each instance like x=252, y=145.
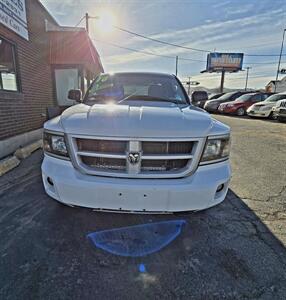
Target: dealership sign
x=13, y=16
x=231, y=62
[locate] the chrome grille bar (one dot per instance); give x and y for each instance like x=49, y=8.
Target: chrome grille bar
x=166, y=156
x=101, y=154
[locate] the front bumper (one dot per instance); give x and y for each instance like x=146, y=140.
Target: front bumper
x=195, y=192
x=227, y=110
x=282, y=112
x=259, y=113
x=211, y=108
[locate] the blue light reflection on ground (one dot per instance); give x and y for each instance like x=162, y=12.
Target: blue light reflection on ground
x=138, y=240
x=142, y=268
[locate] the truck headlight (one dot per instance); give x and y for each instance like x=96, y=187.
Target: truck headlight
x=216, y=149
x=54, y=144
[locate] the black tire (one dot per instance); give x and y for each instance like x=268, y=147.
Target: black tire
x=240, y=112
x=271, y=117
x=281, y=119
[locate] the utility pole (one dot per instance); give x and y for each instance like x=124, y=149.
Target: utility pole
x=279, y=62
x=177, y=58
x=86, y=22
x=222, y=80
x=246, y=81
x=87, y=71
x=189, y=86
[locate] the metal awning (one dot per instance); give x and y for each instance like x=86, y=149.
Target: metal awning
x=74, y=48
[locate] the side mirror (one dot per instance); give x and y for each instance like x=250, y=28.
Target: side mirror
x=75, y=95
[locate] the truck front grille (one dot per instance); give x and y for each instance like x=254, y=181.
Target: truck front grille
x=167, y=147
x=135, y=158
x=163, y=165
x=105, y=146
x=101, y=163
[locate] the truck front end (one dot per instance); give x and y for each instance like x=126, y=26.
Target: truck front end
x=155, y=157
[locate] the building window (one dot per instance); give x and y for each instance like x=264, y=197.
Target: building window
x=8, y=72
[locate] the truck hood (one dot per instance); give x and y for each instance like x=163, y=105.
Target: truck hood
x=136, y=121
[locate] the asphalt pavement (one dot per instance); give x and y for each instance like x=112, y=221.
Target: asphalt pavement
x=235, y=250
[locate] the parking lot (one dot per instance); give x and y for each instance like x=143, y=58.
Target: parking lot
x=235, y=250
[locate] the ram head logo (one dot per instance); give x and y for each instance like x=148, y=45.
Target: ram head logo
x=134, y=157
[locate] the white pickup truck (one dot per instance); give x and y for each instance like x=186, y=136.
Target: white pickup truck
x=135, y=143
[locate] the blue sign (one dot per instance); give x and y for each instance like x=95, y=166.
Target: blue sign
x=231, y=62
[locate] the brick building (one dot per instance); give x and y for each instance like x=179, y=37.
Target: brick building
x=39, y=62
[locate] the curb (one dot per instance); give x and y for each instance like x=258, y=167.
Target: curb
x=11, y=162
x=26, y=151
x=8, y=164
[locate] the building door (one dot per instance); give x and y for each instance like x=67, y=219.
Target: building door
x=66, y=79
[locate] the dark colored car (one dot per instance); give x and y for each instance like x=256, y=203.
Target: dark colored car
x=241, y=104
x=282, y=111
x=215, y=96
x=199, y=98
x=212, y=105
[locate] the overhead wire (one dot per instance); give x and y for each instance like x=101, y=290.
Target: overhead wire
x=79, y=21
x=147, y=52
x=186, y=47
x=168, y=56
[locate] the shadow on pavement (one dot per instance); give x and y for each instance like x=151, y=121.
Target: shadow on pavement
x=225, y=252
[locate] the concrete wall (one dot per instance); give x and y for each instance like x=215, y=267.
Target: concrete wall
x=10, y=145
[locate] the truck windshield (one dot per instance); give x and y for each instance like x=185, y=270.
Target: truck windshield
x=134, y=86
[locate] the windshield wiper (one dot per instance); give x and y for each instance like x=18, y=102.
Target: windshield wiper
x=150, y=98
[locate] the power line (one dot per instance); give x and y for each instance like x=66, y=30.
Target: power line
x=171, y=57
x=147, y=52
x=176, y=45
x=185, y=47
x=181, y=46
x=215, y=76
x=159, y=41
x=79, y=21
x=269, y=43
x=261, y=63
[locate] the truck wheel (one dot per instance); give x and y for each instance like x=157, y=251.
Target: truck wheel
x=240, y=112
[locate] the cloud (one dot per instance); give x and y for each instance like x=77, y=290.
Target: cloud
x=200, y=33
x=258, y=32
x=231, y=34
x=240, y=10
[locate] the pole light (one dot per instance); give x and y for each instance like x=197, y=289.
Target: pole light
x=279, y=62
x=246, y=81
x=177, y=58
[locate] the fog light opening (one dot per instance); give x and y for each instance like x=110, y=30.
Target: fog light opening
x=50, y=181
x=220, y=188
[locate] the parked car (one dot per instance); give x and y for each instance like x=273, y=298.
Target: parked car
x=199, y=98
x=264, y=108
x=279, y=110
x=212, y=105
x=136, y=144
x=282, y=112
x=241, y=104
x=215, y=96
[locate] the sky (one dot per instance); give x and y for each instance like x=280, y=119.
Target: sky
x=250, y=27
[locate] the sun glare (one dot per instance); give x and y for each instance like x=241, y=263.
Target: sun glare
x=106, y=21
